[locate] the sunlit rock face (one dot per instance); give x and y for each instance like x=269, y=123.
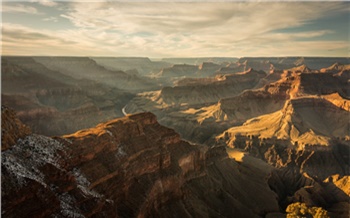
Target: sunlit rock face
x=308, y=142
x=128, y=167
x=201, y=108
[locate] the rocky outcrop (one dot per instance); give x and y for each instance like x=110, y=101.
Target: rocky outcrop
x=251, y=103
x=305, y=121
x=37, y=180
x=178, y=70
x=207, y=69
x=186, y=107
x=223, y=87
x=231, y=68
x=295, y=187
x=128, y=167
x=12, y=129
x=308, y=142
x=299, y=69
x=335, y=68
x=199, y=124
x=323, y=84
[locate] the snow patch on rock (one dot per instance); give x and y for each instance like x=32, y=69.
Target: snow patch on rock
x=24, y=159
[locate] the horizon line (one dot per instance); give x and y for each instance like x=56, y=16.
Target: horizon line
x=178, y=57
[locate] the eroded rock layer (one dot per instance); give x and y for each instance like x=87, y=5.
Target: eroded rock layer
x=128, y=167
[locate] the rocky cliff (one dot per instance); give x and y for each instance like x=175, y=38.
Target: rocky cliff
x=12, y=128
x=305, y=121
x=335, y=68
x=128, y=167
x=178, y=70
x=207, y=69
x=323, y=84
x=308, y=141
x=223, y=86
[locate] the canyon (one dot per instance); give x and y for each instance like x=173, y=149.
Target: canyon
x=192, y=137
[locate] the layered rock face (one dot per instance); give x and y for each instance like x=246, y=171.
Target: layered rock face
x=308, y=141
x=178, y=70
x=207, y=69
x=128, y=167
x=221, y=87
x=302, y=121
x=200, y=107
x=12, y=128
x=288, y=134
x=324, y=83
x=192, y=92
x=178, y=106
x=176, y=73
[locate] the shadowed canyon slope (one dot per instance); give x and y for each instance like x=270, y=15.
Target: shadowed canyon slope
x=53, y=103
x=128, y=167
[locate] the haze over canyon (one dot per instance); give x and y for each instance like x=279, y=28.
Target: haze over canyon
x=192, y=137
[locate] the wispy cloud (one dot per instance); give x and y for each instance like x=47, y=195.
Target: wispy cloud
x=17, y=38
x=53, y=19
x=193, y=29
x=48, y=3
x=177, y=26
x=18, y=8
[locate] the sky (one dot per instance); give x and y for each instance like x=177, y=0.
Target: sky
x=175, y=29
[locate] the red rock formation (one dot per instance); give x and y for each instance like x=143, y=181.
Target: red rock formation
x=128, y=167
x=11, y=128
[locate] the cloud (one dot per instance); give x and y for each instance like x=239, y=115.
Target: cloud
x=53, y=19
x=190, y=17
x=18, y=8
x=47, y=3
x=21, y=40
x=190, y=29
x=19, y=33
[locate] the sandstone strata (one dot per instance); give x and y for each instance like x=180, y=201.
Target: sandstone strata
x=128, y=167
x=12, y=128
